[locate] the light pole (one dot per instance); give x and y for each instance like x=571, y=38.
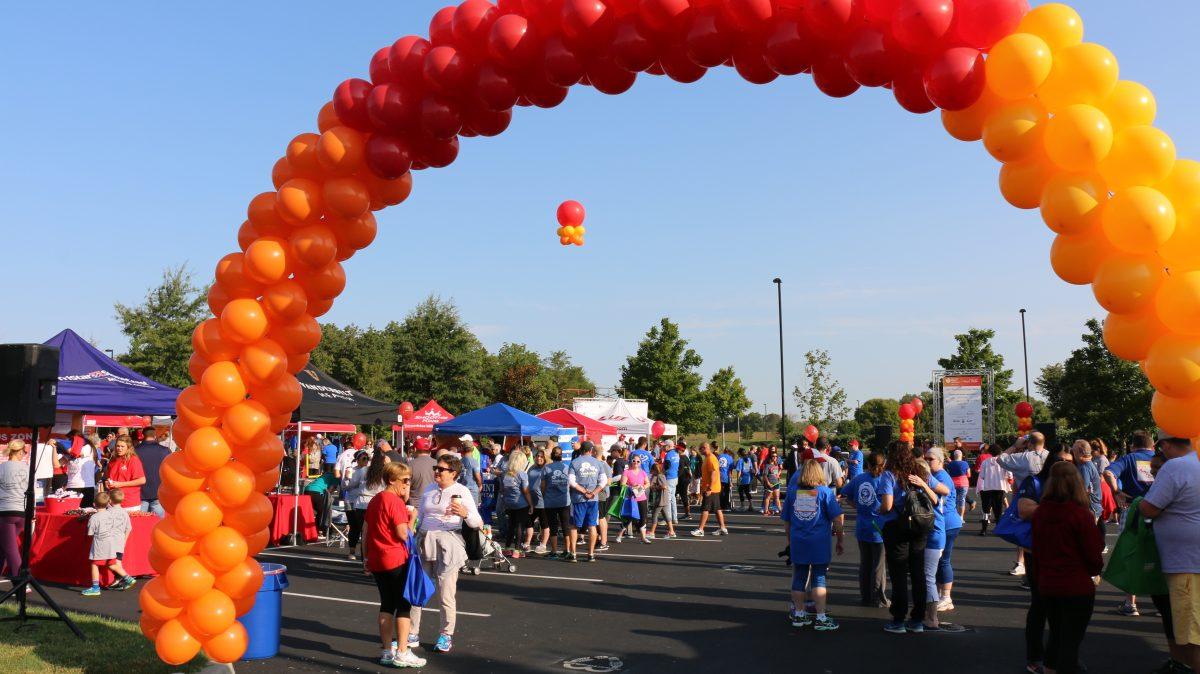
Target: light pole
x=782, y=397
x=1025, y=352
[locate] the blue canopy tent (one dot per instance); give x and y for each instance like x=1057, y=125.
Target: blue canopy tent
x=497, y=419
x=90, y=381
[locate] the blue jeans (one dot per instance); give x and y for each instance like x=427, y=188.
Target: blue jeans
x=945, y=572
x=153, y=506
x=672, y=505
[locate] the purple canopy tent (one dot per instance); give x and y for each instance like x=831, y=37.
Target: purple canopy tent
x=89, y=381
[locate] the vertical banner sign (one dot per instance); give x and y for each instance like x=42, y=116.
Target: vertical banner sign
x=962, y=405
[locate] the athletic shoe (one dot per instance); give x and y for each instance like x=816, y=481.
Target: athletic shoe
x=386, y=658
x=670, y=536
x=540, y=550
x=945, y=605
x=570, y=557
x=1034, y=668
x=1024, y=582
x=724, y=531
x=894, y=627
x=406, y=660
x=601, y=548
x=1017, y=570
x=1105, y=552
x=1128, y=610
x=801, y=620
x=444, y=643
x=647, y=541
x=914, y=626
x=591, y=558
x=414, y=641
x=825, y=624
x=698, y=533
x=552, y=555
x=127, y=582
x=621, y=537
x=650, y=536
x=91, y=592
x=525, y=550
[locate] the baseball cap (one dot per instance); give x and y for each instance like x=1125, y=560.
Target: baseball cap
x=466, y=437
x=586, y=446
x=421, y=444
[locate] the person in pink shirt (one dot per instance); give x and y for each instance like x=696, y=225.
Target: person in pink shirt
x=637, y=481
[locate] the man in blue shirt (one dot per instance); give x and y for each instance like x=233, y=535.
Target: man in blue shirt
x=329, y=455
x=586, y=479
x=854, y=461
x=1132, y=471
x=671, y=473
x=725, y=464
x=151, y=454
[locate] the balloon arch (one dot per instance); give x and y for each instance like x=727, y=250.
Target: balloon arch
x=1074, y=140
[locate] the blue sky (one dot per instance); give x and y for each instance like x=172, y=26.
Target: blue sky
x=135, y=138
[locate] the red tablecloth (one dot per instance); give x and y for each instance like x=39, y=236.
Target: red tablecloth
x=281, y=521
x=61, y=545
x=61, y=505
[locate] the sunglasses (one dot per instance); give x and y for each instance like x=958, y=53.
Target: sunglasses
x=442, y=469
x=406, y=480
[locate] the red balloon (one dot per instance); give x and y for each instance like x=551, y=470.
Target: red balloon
x=749, y=62
x=496, y=89
x=750, y=14
x=487, y=123
x=406, y=59
x=955, y=79
x=664, y=15
x=406, y=410
x=513, y=42
x=571, y=213
x=831, y=18
x=918, y=405
x=879, y=11
x=657, y=429
x=358, y=441
x=388, y=156
x=541, y=92
x=392, y=108
x=439, y=117
x=909, y=89
x=679, y=66
x=921, y=25
x=868, y=60
x=812, y=433
x=445, y=69
x=583, y=20
x=350, y=103
x=631, y=49
x=381, y=68
x=983, y=23
x=789, y=49
x=441, y=27
x=436, y=154
x=472, y=23
x=709, y=43
x=907, y=412
x=1024, y=409
x=609, y=78
x=831, y=77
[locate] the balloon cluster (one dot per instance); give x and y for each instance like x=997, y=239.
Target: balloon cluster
x=1024, y=417
x=908, y=412
x=570, y=221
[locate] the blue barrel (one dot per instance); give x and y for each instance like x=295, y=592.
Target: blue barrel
x=263, y=621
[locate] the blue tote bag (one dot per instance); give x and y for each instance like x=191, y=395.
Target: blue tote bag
x=1012, y=528
x=418, y=588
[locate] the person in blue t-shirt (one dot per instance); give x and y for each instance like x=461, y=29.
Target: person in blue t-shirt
x=863, y=492
x=1132, y=471
x=329, y=455
x=854, y=461
x=556, y=497
x=587, y=478
x=640, y=450
x=952, y=524
x=745, y=467
x=813, y=518
x=725, y=464
x=904, y=548
x=935, y=541
x=671, y=474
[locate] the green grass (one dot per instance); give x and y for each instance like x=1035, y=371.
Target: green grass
x=112, y=646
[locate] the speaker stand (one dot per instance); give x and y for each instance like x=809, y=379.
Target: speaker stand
x=25, y=578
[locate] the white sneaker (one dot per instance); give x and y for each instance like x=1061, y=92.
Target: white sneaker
x=540, y=550
x=620, y=536
x=698, y=533
x=1017, y=570
x=945, y=605
x=386, y=658
x=723, y=531
x=407, y=659
x=650, y=536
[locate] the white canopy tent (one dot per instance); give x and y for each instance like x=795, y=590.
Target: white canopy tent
x=630, y=423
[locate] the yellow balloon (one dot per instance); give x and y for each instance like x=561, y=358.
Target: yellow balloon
x=1056, y=23
x=1022, y=183
x=1126, y=284
x=1014, y=131
x=967, y=125
x=560, y=232
x=1173, y=365
x=1086, y=73
x=1178, y=303
x=1130, y=104
x=1138, y=220
x=1141, y=155
x=580, y=230
x=1131, y=336
x=1076, y=258
x=1018, y=65
x=1078, y=137
x=1072, y=203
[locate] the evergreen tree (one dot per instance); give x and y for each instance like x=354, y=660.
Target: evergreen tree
x=664, y=371
x=160, y=328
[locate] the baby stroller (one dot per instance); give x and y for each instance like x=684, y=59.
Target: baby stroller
x=482, y=550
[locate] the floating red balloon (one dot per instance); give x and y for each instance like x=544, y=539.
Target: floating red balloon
x=811, y=433
x=657, y=429
x=406, y=410
x=918, y=405
x=570, y=213
x=358, y=441
x=1024, y=409
x=906, y=411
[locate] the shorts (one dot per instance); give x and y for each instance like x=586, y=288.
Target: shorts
x=390, y=584
x=559, y=519
x=109, y=562
x=1185, y=607
x=800, y=573
x=586, y=514
x=538, y=519
x=694, y=487
x=711, y=503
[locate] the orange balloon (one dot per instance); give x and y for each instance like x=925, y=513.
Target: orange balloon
x=196, y=366
x=1182, y=251
x=326, y=283
x=197, y=514
x=244, y=321
x=357, y=233
x=221, y=384
x=257, y=541
x=1141, y=155
x=967, y=125
x=263, y=454
x=300, y=201
x=285, y=301
x=187, y=578
x=245, y=604
x=169, y=541
x=1076, y=258
x=243, y=580
x=231, y=275
x=1182, y=185
x=327, y=118
x=302, y=155
x=150, y=626
x=1126, y=283
x=231, y=484
x=209, y=340
x=1138, y=219
x=1173, y=365
x=279, y=397
x=266, y=480
x=318, y=308
x=174, y=644
x=281, y=172
x=246, y=236
x=1130, y=336
x=297, y=337
x=157, y=601
x=217, y=298
x=222, y=549
x=261, y=212
x=229, y=645
x=266, y=260
x=206, y=450
x=1072, y=203
x=314, y=245
x=251, y=516
x=1014, y=131
x=298, y=360
x=1130, y=104
x=177, y=475
x=1178, y=416
x=180, y=431
x=158, y=561
x=1021, y=183
x=280, y=421
x=1078, y=137
x=1178, y=305
x=386, y=193
x=346, y=198
x=190, y=407
x=245, y=421
x=340, y=151
x=263, y=361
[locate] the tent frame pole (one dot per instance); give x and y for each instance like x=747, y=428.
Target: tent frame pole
x=296, y=485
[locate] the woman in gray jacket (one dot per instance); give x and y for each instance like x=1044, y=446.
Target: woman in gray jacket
x=14, y=480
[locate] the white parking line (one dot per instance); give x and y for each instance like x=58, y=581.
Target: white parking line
x=375, y=603
x=527, y=575
x=618, y=554
x=315, y=558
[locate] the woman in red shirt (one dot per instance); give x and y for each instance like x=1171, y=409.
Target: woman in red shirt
x=125, y=472
x=1067, y=545
x=386, y=530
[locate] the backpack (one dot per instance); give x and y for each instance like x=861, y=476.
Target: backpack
x=916, y=518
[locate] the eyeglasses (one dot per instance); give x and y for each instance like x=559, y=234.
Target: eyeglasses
x=406, y=480
x=442, y=469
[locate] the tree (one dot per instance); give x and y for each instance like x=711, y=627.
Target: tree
x=436, y=356
x=160, y=328
x=521, y=381
x=878, y=412
x=727, y=396
x=1097, y=394
x=771, y=425
x=974, y=351
x=565, y=379
x=361, y=359
x=664, y=372
x=823, y=403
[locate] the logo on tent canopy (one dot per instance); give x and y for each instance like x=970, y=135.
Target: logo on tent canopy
x=106, y=376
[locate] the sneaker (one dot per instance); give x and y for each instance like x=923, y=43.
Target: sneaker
x=799, y=620
x=650, y=536
x=698, y=533
x=414, y=641
x=945, y=605
x=525, y=550
x=1017, y=570
x=1024, y=583
x=444, y=643
x=570, y=557
x=723, y=531
x=647, y=541
x=894, y=627
x=91, y=592
x=1128, y=610
x=670, y=536
x=407, y=659
x=127, y=582
x=1034, y=668
x=386, y=658
x=552, y=555
x=541, y=551
x=621, y=537
x=591, y=558
x=601, y=548
x=914, y=626
x=1104, y=551
x=825, y=624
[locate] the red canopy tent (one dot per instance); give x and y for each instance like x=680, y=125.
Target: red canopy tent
x=583, y=425
x=115, y=421
x=424, y=419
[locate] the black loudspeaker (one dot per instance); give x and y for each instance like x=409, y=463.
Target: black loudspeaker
x=883, y=436
x=29, y=382
x=1049, y=430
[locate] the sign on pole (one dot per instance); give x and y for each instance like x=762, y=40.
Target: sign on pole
x=962, y=409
